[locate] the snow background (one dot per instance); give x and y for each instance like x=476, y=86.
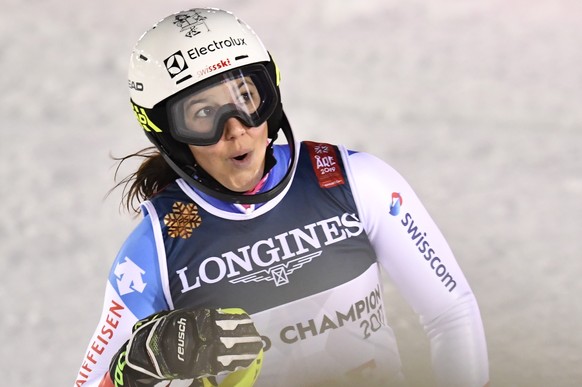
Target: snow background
x=477, y=104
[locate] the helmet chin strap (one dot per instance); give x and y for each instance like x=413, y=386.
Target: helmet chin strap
x=222, y=193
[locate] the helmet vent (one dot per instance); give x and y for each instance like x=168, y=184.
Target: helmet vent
x=144, y=58
x=241, y=57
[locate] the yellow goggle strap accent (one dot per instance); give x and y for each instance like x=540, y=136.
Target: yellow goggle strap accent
x=144, y=120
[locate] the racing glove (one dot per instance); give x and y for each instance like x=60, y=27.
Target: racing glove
x=197, y=345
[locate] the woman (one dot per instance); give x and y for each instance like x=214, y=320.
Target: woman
x=259, y=264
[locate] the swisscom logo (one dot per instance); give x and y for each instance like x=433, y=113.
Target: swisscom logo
x=395, y=204
x=422, y=242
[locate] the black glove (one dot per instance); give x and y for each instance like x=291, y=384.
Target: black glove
x=186, y=344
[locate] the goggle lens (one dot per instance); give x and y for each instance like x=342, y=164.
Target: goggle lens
x=198, y=115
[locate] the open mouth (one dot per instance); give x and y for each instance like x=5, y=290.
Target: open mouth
x=241, y=157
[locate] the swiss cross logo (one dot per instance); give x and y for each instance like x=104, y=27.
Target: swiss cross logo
x=325, y=164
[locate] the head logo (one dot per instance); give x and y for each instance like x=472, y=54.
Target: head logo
x=176, y=65
x=395, y=204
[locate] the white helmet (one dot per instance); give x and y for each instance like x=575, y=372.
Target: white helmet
x=186, y=48
x=186, y=53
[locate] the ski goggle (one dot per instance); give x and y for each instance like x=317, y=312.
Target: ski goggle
x=198, y=114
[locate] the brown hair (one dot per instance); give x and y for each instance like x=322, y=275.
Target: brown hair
x=150, y=178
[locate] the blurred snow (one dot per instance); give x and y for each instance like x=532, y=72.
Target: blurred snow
x=478, y=104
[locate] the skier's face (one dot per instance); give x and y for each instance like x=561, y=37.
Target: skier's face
x=237, y=160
